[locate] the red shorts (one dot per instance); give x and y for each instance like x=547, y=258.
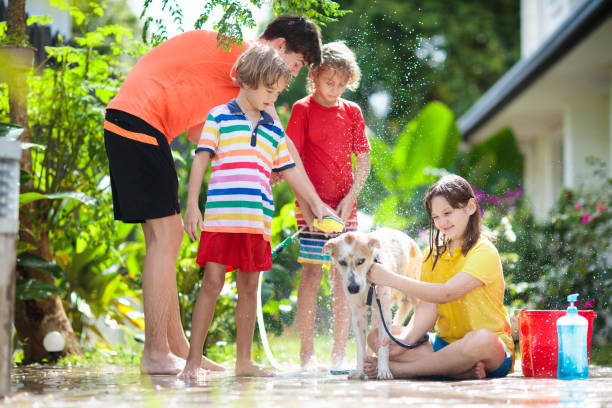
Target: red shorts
x=246, y=252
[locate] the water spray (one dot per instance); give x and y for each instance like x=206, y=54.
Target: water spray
x=327, y=224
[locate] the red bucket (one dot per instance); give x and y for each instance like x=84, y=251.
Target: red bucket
x=538, y=340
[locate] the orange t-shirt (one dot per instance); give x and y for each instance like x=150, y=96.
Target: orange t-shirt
x=177, y=83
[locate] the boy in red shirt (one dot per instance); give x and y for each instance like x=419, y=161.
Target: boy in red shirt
x=325, y=130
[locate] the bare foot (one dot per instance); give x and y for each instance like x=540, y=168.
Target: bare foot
x=191, y=373
x=310, y=364
x=370, y=366
x=250, y=369
x=167, y=364
x=479, y=370
x=208, y=364
x=337, y=360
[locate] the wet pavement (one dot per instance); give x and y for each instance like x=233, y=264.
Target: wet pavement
x=112, y=386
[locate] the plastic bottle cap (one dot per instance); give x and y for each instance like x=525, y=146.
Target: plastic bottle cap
x=571, y=299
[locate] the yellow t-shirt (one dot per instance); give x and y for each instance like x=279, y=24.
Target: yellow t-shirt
x=483, y=307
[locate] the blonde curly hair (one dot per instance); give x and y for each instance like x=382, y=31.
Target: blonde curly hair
x=261, y=65
x=337, y=56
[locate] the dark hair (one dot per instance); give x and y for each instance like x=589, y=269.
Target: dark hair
x=458, y=192
x=301, y=36
x=261, y=65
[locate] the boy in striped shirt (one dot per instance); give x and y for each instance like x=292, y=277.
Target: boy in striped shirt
x=244, y=144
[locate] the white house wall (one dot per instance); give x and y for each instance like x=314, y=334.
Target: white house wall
x=543, y=167
x=539, y=18
x=586, y=132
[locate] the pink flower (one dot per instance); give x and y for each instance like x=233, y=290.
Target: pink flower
x=588, y=305
x=578, y=206
x=601, y=207
x=585, y=218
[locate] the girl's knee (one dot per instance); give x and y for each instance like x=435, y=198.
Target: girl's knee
x=481, y=340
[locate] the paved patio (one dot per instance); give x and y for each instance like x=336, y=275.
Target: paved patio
x=111, y=386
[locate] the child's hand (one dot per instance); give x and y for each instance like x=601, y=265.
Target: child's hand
x=345, y=208
x=381, y=276
x=321, y=210
x=193, y=221
x=276, y=178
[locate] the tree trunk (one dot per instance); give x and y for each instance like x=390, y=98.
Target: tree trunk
x=33, y=318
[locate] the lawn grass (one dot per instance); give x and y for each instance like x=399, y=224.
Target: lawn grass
x=601, y=354
x=285, y=349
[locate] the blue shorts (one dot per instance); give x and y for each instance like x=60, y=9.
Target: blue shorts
x=501, y=371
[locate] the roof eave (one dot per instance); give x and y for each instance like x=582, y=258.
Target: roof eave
x=586, y=18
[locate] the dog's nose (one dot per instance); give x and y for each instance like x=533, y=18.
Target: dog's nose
x=353, y=288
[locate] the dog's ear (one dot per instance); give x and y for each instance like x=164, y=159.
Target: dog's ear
x=330, y=246
x=373, y=243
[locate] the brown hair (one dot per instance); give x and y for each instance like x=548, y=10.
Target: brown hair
x=338, y=57
x=458, y=192
x=301, y=36
x=261, y=65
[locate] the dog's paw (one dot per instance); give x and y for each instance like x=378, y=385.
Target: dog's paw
x=357, y=375
x=384, y=375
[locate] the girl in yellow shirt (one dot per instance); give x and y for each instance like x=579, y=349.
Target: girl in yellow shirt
x=461, y=291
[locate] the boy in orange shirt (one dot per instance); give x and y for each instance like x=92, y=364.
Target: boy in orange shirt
x=170, y=90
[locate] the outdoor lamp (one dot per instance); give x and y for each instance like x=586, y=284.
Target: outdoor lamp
x=10, y=155
x=54, y=342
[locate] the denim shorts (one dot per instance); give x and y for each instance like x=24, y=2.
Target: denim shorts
x=501, y=371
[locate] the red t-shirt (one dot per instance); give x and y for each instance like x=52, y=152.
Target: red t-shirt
x=325, y=138
x=177, y=83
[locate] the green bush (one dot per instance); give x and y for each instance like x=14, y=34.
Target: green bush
x=568, y=253
x=574, y=252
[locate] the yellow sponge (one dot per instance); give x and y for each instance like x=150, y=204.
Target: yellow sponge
x=329, y=224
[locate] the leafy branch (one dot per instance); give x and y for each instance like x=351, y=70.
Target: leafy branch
x=236, y=16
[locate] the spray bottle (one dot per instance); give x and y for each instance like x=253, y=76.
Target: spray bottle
x=572, y=332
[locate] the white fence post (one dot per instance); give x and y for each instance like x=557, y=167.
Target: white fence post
x=10, y=155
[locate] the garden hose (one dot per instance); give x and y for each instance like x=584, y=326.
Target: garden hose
x=260, y=320
x=327, y=224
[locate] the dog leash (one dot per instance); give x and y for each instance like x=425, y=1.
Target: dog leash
x=372, y=293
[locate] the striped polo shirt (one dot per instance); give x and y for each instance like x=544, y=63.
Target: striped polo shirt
x=239, y=196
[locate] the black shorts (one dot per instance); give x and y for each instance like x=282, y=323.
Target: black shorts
x=142, y=172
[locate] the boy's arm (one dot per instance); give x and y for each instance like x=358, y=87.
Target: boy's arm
x=304, y=207
x=308, y=197
x=193, y=215
x=362, y=171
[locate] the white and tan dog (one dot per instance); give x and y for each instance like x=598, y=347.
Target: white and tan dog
x=353, y=253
